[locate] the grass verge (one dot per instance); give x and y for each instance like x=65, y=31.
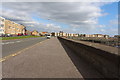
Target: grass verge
x=18, y=37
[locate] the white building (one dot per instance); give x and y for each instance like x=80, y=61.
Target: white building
x=56, y=34
x=72, y=34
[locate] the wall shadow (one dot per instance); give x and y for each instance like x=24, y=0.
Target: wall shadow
x=84, y=68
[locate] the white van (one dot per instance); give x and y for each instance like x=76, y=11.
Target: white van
x=48, y=36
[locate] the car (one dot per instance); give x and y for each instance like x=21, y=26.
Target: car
x=5, y=35
x=9, y=35
x=1, y=35
x=48, y=36
x=19, y=34
x=25, y=34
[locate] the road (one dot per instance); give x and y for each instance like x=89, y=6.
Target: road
x=12, y=46
x=48, y=59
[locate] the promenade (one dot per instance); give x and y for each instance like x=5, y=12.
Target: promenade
x=47, y=59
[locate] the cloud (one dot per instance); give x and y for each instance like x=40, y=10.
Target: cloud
x=101, y=26
x=114, y=22
x=111, y=28
x=110, y=31
x=78, y=15
x=52, y=27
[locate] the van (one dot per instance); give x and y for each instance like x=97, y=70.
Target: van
x=48, y=36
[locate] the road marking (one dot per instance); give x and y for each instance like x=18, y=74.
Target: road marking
x=17, y=53
x=18, y=41
x=10, y=42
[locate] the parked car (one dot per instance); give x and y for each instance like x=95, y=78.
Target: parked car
x=1, y=35
x=6, y=35
x=9, y=35
x=19, y=34
x=25, y=34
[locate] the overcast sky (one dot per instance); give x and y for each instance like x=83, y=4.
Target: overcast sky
x=71, y=17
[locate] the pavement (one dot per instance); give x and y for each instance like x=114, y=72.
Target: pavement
x=47, y=59
x=12, y=46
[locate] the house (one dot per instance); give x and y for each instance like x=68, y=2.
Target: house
x=43, y=33
x=35, y=33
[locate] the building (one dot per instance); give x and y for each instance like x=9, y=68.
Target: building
x=28, y=32
x=98, y=35
x=43, y=33
x=76, y=35
x=106, y=36
x=94, y=35
x=2, y=25
x=117, y=36
x=14, y=28
x=82, y=35
x=10, y=27
x=67, y=34
x=35, y=33
x=89, y=35
x=54, y=34
x=64, y=35
x=60, y=33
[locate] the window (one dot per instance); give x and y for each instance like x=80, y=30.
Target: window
x=2, y=25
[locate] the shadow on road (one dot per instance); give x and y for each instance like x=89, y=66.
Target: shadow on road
x=83, y=67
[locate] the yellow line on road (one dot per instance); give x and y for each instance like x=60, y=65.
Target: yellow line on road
x=17, y=53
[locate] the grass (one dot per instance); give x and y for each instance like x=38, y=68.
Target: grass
x=18, y=37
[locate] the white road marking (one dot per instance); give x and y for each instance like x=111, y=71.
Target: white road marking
x=18, y=41
x=10, y=42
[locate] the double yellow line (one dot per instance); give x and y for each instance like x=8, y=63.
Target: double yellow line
x=17, y=53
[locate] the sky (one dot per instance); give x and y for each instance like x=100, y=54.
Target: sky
x=70, y=17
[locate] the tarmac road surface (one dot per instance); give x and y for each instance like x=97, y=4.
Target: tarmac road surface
x=12, y=46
